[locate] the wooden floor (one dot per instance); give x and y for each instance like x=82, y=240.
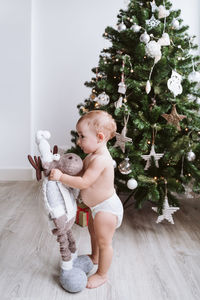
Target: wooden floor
x=151, y=261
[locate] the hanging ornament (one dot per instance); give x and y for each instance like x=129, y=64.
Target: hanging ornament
x=121, y=138
x=132, y=184
x=121, y=85
x=191, y=156
x=198, y=101
x=153, y=154
x=167, y=210
x=175, y=23
x=121, y=27
x=125, y=167
x=103, y=99
x=174, y=83
x=136, y=28
x=154, y=7
x=162, y=12
x=148, y=87
x=153, y=22
x=164, y=40
x=114, y=164
x=153, y=49
x=194, y=76
x=174, y=118
x=122, y=88
x=144, y=38
x=118, y=103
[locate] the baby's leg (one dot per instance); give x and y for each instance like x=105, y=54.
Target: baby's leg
x=95, y=248
x=104, y=228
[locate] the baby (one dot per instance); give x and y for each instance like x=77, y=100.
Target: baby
x=96, y=184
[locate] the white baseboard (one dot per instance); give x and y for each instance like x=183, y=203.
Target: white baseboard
x=16, y=174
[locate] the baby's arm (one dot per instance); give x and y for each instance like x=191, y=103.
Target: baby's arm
x=93, y=171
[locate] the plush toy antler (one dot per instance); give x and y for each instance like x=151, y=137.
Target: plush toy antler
x=37, y=164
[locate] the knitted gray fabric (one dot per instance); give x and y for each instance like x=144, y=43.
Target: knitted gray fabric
x=84, y=263
x=74, y=280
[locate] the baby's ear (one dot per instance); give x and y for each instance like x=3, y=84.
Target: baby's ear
x=100, y=136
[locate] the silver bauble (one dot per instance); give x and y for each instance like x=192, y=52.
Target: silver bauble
x=103, y=99
x=136, y=28
x=121, y=27
x=144, y=38
x=191, y=156
x=132, y=184
x=125, y=167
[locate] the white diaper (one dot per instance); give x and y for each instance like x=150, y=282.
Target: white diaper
x=112, y=205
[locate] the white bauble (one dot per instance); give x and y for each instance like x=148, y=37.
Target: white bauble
x=114, y=163
x=194, y=76
x=198, y=101
x=103, y=99
x=121, y=27
x=144, y=38
x=191, y=156
x=175, y=23
x=136, y=28
x=132, y=184
x=153, y=49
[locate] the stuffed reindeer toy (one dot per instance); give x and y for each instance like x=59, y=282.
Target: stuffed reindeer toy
x=61, y=206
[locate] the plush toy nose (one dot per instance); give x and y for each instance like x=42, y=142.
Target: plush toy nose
x=70, y=157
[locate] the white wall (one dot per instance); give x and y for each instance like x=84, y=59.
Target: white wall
x=66, y=40
x=14, y=87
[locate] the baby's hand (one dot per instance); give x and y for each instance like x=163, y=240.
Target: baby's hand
x=55, y=175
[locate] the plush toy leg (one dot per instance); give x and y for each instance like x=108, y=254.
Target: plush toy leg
x=72, y=279
x=83, y=261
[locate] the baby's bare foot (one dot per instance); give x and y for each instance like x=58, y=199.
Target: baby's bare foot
x=96, y=280
x=94, y=259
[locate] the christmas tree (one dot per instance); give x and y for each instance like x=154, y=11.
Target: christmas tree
x=148, y=80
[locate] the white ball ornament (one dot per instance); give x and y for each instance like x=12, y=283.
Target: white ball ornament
x=194, y=76
x=103, y=99
x=191, y=156
x=198, y=101
x=132, y=184
x=144, y=38
x=175, y=23
x=114, y=164
x=136, y=28
x=121, y=27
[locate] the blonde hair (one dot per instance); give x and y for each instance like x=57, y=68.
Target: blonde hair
x=101, y=121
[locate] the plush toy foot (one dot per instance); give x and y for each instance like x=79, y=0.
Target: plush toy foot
x=84, y=263
x=74, y=280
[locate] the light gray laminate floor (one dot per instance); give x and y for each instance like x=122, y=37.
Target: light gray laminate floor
x=151, y=261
